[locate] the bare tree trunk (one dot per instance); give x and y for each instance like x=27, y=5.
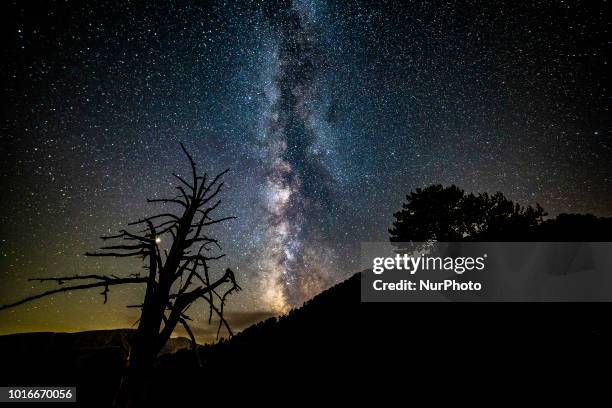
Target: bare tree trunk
x=133, y=388
x=141, y=358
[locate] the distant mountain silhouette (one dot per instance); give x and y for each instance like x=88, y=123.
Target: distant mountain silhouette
x=92, y=360
x=80, y=343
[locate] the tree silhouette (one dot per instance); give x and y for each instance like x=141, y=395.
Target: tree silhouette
x=448, y=214
x=437, y=213
x=176, y=277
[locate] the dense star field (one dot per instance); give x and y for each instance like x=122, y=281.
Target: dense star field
x=327, y=114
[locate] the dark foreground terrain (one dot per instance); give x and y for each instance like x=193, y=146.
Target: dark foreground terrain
x=333, y=339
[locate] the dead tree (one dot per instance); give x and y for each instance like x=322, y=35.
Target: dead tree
x=176, y=277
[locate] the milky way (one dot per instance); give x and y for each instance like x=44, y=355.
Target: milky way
x=296, y=264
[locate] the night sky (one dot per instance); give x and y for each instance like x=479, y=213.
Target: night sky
x=327, y=114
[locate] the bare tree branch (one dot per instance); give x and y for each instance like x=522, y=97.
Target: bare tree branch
x=105, y=283
x=182, y=180
x=61, y=280
x=193, y=167
x=194, y=345
x=167, y=200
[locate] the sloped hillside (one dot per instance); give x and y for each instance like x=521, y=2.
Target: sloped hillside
x=330, y=339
